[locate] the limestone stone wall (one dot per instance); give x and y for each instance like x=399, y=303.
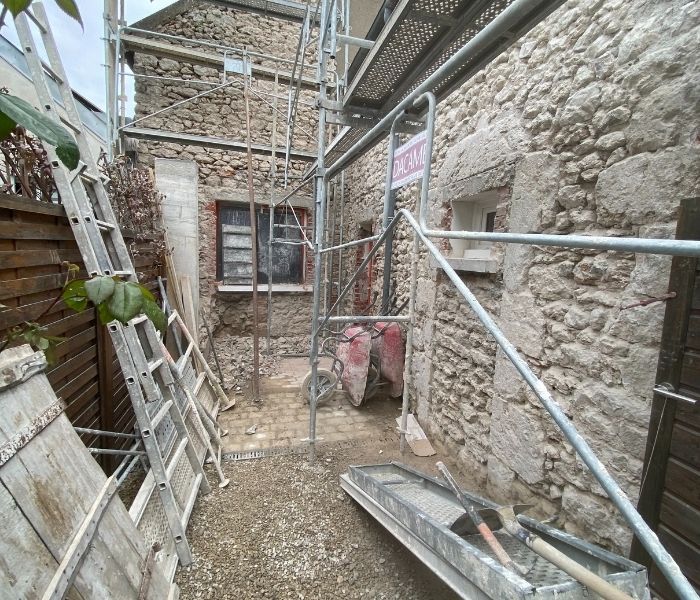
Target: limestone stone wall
x=222, y=175
x=588, y=125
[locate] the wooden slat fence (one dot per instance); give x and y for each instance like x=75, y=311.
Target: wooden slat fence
x=35, y=238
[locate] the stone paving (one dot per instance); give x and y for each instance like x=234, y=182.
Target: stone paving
x=282, y=418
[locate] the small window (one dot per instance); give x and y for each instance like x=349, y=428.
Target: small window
x=474, y=213
x=235, y=247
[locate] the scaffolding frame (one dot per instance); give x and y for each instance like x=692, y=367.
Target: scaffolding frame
x=421, y=98
x=419, y=105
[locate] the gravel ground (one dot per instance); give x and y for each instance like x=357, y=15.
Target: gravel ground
x=286, y=529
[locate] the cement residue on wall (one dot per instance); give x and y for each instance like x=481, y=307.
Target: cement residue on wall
x=589, y=126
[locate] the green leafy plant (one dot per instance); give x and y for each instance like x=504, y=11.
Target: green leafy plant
x=15, y=111
x=114, y=299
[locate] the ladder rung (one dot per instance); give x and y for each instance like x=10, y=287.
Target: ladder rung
x=104, y=225
x=154, y=364
x=160, y=415
x=138, y=320
x=89, y=177
x=177, y=455
x=191, y=500
x=123, y=273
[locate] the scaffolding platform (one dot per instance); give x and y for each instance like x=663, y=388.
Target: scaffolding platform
x=419, y=37
x=418, y=510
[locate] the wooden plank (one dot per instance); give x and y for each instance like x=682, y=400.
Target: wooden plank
x=685, y=446
x=75, y=343
x=661, y=421
x=68, y=390
x=20, y=203
x=687, y=557
x=686, y=413
x=15, y=259
x=26, y=565
x=693, y=338
x=681, y=517
x=71, y=366
x=690, y=373
x=683, y=481
x=82, y=400
x=30, y=312
x=54, y=481
x=72, y=321
x=23, y=287
x=12, y=230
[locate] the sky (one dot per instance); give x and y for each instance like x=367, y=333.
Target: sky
x=83, y=51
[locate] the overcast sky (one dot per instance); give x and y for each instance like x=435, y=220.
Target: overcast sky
x=83, y=51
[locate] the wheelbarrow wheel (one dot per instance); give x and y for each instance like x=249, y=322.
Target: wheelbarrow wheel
x=327, y=381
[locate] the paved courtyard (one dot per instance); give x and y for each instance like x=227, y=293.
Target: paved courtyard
x=281, y=420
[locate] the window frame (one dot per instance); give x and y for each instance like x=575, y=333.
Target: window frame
x=302, y=214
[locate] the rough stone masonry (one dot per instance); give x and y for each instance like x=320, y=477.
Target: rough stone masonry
x=222, y=175
x=588, y=125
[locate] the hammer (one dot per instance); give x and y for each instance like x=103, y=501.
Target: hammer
x=507, y=518
x=479, y=523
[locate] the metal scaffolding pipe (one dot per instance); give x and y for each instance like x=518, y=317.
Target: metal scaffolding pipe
x=642, y=245
x=351, y=244
x=100, y=432
x=366, y=319
x=646, y=536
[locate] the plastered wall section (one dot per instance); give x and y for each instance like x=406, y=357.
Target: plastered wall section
x=588, y=125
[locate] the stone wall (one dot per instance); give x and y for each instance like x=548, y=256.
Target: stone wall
x=222, y=175
x=588, y=125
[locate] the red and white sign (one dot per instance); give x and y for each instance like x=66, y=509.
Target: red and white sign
x=409, y=161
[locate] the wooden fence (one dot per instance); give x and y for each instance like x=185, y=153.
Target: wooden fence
x=35, y=239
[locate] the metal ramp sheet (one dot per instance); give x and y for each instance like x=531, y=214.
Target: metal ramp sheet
x=419, y=510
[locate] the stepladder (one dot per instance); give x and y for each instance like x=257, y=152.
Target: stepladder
x=172, y=432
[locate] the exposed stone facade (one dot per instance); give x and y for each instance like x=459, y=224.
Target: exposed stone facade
x=588, y=125
x=223, y=175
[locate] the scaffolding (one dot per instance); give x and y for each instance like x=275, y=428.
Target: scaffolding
x=416, y=55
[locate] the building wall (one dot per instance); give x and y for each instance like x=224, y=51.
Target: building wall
x=222, y=176
x=588, y=125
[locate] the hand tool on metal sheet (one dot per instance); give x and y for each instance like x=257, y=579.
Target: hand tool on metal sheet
x=480, y=524
x=507, y=517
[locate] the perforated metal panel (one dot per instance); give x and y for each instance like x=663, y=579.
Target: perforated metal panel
x=421, y=36
x=427, y=509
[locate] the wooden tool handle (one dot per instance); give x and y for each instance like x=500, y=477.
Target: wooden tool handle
x=578, y=572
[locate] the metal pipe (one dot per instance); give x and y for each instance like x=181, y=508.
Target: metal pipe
x=320, y=205
x=642, y=245
x=306, y=181
x=667, y=392
x=341, y=233
x=355, y=41
x=273, y=173
x=646, y=536
x=254, y=251
x=389, y=209
x=357, y=273
x=117, y=452
x=366, y=319
x=180, y=103
x=100, y=432
x=351, y=244
x=230, y=49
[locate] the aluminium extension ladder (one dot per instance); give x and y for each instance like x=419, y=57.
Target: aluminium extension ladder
x=104, y=252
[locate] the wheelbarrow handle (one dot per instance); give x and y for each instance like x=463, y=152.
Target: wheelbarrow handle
x=480, y=524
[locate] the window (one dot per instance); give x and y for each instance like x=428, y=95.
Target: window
x=235, y=254
x=475, y=213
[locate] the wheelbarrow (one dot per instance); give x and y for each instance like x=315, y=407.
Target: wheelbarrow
x=327, y=379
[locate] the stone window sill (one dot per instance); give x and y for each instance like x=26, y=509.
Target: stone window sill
x=282, y=288
x=474, y=265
